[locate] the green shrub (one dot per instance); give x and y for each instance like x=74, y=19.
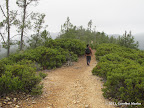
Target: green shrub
x=73, y=45
x=18, y=77
x=37, y=90
x=123, y=70
x=42, y=75
x=18, y=71
x=2, y=68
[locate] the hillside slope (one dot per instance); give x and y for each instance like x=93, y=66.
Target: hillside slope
x=70, y=87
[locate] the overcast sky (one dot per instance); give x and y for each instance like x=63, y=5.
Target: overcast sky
x=110, y=16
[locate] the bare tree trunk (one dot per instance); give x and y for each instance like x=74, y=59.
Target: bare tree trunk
x=8, y=25
x=23, y=25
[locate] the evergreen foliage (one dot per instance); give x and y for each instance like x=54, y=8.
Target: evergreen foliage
x=122, y=69
x=69, y=31
x=127, y=40
x=18, y=71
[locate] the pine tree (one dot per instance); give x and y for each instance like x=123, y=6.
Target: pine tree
x=24, y=4
x=9, y=20
x=38, y=37
x=127, y=40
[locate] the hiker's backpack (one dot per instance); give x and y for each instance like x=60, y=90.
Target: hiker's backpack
x=87, y=51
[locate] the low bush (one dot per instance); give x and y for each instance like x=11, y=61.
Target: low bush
x=18, y=77
x=42, y=75
x=18, y=71
x=123, y=70
x=37, y=90
x=73, y=45
x=2, y=68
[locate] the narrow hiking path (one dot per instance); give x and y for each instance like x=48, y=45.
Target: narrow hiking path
x=70, y=87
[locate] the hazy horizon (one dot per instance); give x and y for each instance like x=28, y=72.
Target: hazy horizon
x=110, y=16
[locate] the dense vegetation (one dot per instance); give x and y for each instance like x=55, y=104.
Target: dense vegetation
x=123, y=71
x=18, y=71
x=120, y=63
x=93, y=37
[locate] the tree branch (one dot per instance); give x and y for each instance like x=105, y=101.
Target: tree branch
x=26, y=37
x=29, y=2
x=29, y=15
x=14, y=36
x=13, y=17
x=2, y=11
x=3, y=38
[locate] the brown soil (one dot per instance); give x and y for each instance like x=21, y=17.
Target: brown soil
x=70, y=87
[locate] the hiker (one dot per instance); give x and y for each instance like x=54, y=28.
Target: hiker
x=88, y=54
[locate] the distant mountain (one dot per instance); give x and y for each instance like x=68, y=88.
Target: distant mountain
x=140, y=38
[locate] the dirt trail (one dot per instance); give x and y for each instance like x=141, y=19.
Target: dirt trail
x=71, y=87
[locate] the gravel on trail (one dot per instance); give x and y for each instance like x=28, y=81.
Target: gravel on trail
x=71, y=87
